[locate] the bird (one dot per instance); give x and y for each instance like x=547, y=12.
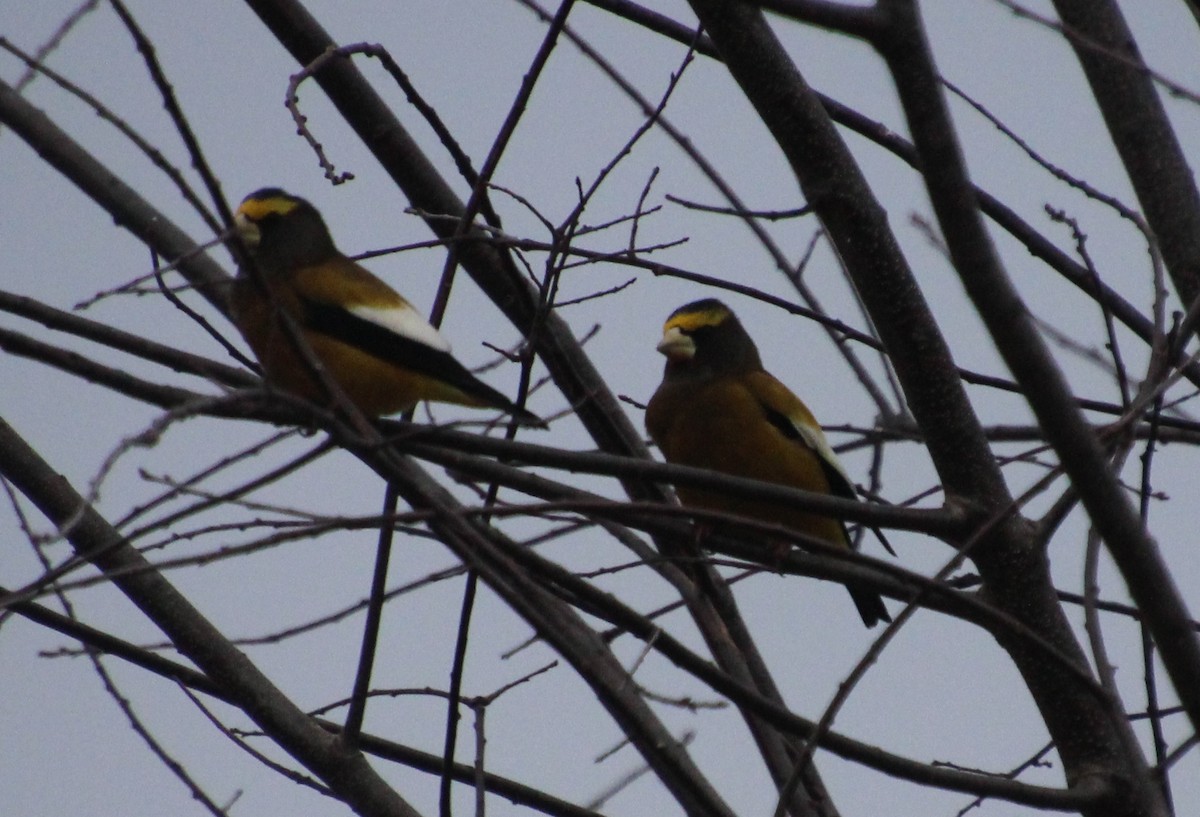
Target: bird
x=717, y=408
x=382, y=353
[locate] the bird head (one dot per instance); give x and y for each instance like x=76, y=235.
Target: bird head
x=283, y=231
x=706, y=336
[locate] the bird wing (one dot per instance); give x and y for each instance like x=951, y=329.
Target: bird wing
x=788, y=413
x=356, y=308
x=362, y=294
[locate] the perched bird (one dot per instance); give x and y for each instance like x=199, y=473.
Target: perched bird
x=717, y=408
x=382, y=353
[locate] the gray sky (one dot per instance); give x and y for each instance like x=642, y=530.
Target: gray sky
x=942, y=691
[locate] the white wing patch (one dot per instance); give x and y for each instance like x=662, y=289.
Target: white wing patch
x=404, y=321
x=815, y=438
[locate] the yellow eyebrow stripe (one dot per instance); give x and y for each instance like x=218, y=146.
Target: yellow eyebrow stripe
x=691, y=321
x=258, y=209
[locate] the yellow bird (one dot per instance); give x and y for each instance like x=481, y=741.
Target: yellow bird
x=382, y=353
x=717, y=408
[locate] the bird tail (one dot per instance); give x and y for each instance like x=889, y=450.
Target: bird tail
x=478, y=393
x=525, y=417
x=482, y=394
x=869, y=604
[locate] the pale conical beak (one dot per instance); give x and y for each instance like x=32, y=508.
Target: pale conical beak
x=248, y=230
x=676, y=345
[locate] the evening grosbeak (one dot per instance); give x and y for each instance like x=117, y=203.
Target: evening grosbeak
x=382, y=353
x=717, y=408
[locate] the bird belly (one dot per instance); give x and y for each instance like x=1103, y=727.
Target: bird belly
x=752, y=448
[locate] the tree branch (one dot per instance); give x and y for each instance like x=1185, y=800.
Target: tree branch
x=345, y=772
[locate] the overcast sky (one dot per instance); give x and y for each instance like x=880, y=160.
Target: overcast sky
x=942, y=691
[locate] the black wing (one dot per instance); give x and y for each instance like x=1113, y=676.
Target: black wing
x=343, y=325
x=839, y=485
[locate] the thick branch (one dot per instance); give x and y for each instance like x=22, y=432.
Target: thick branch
x=1015, y=571
x=507, y=788
x=858, y=228
x=493, y=271
x=639, y=626
x=1037, y=244
x=498, y=277
x=1109, y=740
x=346, y=773
x=127, y=208
x=487, y=552
x=1142, y=135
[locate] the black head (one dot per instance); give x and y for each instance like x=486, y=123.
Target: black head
x=706, y=337
x=283, y=231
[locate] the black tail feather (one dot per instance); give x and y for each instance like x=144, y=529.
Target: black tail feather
x=870, y=605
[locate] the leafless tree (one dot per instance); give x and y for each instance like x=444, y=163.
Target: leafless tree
x=515, y=510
